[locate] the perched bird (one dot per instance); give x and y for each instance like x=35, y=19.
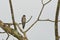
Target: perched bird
x=23, y=21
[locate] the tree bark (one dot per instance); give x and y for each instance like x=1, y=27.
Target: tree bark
x=56, y=22
x=11, y=31
x=12, y=14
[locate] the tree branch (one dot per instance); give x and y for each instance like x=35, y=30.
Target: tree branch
x=2, y=32
x=40, y=12
x=56, y=21
x=29, y=19
x=11, y=31
x=47, y=2
x=42, y=8
x=12, y=14
x=38, y=16
x=7, y=36
x=31, y=26
x=47, y=20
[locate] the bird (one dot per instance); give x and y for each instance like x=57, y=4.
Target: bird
x=23, y=21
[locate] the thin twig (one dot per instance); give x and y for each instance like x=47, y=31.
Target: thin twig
x=42, y=8
x=48, y=20
x=40, y=12
x=2, y=32
x=38, y=17
x=7, y=36
x=29, y=19
x=47, y=2
x=31, y=26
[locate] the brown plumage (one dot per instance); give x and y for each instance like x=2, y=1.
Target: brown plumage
x=23, y=21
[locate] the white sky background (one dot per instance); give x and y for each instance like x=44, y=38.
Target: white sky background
x=41, y=30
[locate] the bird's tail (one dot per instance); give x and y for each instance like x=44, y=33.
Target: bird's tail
x=23, y=26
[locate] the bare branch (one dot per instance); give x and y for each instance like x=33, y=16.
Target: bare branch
x=2, y=32
x=47, y=2
x=29, y=19
x=31, y=26
x=38, y=16
x=42, y=8
x=40, y=12
x=7, y=36
x=12, y=14
x=56, y=21
x=48, y=20
x=11, y=31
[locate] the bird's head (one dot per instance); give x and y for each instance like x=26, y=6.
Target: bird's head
x=24, y=15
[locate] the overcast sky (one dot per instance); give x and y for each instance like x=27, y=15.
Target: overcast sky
x=41, y=30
